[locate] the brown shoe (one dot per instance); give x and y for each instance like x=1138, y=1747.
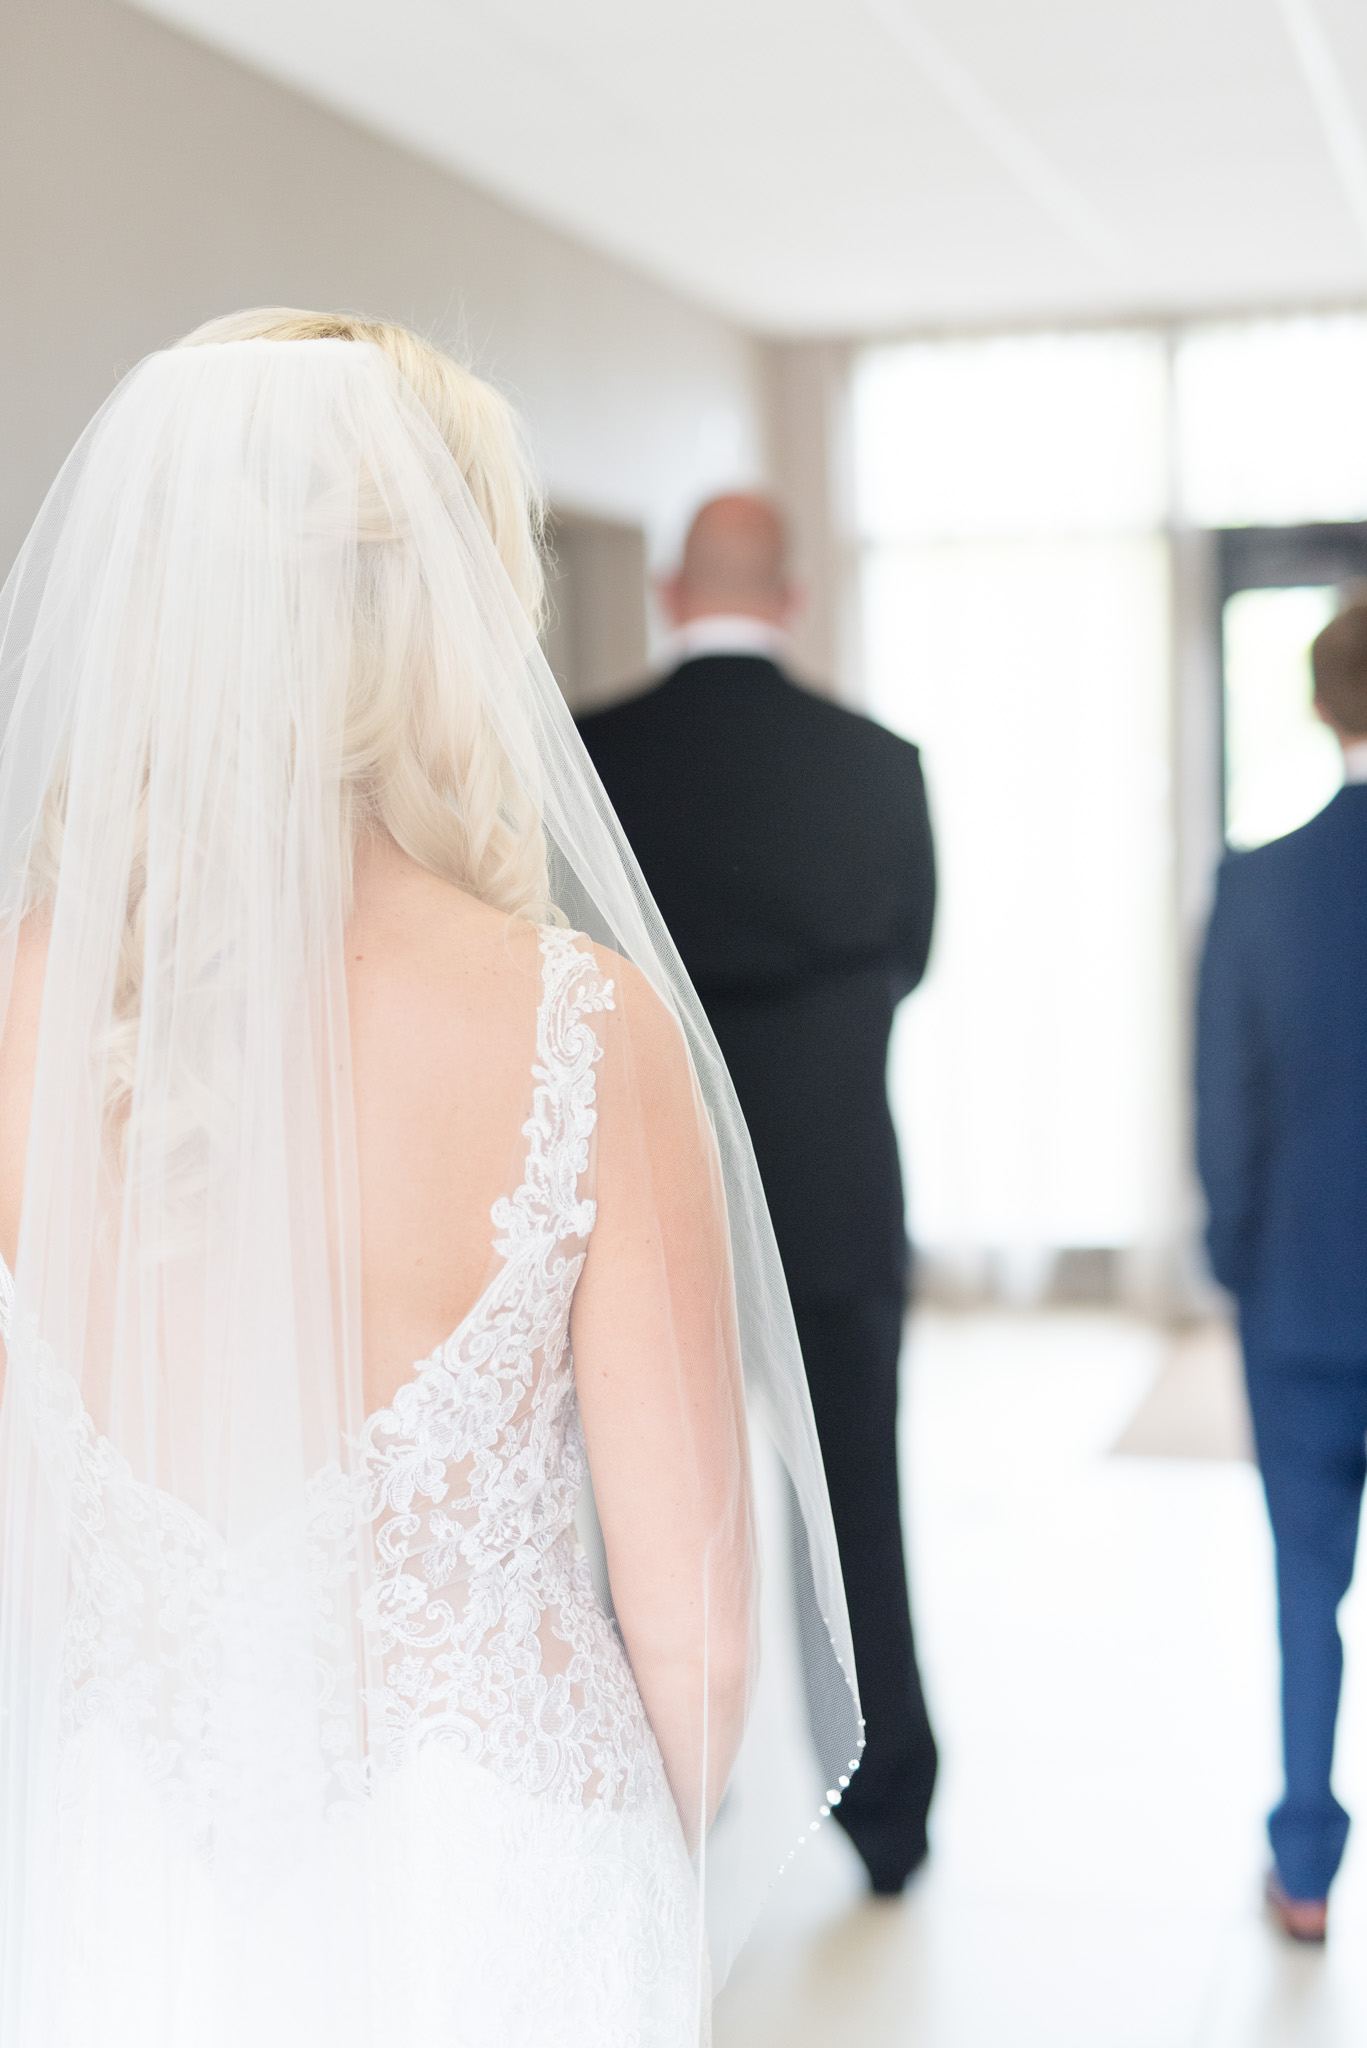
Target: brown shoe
x=1300, y=1919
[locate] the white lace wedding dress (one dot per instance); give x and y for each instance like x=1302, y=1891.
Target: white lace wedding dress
x=511, y=1870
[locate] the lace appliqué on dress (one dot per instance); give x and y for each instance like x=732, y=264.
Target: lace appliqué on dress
x=483, y=1608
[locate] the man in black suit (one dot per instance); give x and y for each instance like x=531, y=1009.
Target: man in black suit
x=787, y=843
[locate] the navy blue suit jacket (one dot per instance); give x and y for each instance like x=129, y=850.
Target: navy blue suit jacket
x=1282, y=1085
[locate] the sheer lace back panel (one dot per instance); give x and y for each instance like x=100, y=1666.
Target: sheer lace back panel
x=491, y=1633
x=482, y=1626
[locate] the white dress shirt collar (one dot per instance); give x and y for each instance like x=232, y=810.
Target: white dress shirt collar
x=726, y=633
x=1355, y=761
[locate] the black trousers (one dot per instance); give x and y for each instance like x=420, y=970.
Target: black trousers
x=851, y=1351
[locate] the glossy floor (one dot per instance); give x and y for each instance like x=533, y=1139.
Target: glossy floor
x=1092, y=1576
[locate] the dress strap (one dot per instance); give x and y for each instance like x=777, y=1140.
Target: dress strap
x=560, y=1130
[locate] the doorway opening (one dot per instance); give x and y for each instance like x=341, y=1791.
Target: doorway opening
x=1278, y=587
x=596, y=635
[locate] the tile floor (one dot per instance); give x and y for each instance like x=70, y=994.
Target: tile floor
x=1092, y=1581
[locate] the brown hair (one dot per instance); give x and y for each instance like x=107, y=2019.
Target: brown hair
x=1338, y=657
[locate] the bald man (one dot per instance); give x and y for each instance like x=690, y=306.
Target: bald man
x=787, y=844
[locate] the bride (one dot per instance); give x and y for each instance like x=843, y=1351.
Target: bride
x=368, y=1180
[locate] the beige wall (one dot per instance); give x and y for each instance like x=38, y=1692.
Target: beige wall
x=146, y=183
x=809, y=440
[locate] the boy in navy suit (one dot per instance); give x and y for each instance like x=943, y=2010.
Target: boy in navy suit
x=1282, y=1149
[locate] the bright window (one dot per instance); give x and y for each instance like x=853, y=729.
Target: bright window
x=1041, y=434
x=1281, y=764
x=1033, y=677
x=1272, y=421
x=1016, y=620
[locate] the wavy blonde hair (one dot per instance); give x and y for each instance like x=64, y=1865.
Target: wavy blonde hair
x=421, y=758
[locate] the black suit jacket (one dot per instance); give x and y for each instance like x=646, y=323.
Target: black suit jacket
x=787, y=843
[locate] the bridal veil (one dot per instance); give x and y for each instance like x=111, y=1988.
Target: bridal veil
x=254, y=547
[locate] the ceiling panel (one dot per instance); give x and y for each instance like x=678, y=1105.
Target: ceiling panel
x=868, y=166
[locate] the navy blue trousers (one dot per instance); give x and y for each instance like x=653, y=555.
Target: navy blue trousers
x=1310, y=1424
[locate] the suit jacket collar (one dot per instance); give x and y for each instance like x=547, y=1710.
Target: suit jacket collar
x=740, y=669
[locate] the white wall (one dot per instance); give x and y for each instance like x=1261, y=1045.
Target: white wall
x=147, y=183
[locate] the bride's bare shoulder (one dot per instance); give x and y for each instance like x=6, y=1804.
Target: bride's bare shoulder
x=648, y=1051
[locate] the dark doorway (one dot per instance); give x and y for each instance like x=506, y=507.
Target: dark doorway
x=596, y=634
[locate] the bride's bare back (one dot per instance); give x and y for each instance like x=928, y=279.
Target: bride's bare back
x=443, y=996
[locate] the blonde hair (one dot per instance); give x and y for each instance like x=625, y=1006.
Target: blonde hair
x=421, y=756
x=476, y=422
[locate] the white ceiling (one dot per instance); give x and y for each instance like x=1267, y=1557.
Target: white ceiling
x=865, y=166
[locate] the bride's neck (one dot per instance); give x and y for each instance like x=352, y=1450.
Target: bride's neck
x=387, y=882
x=377, y=862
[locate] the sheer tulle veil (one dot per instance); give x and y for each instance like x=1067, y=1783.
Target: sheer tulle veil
x=252, y=539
